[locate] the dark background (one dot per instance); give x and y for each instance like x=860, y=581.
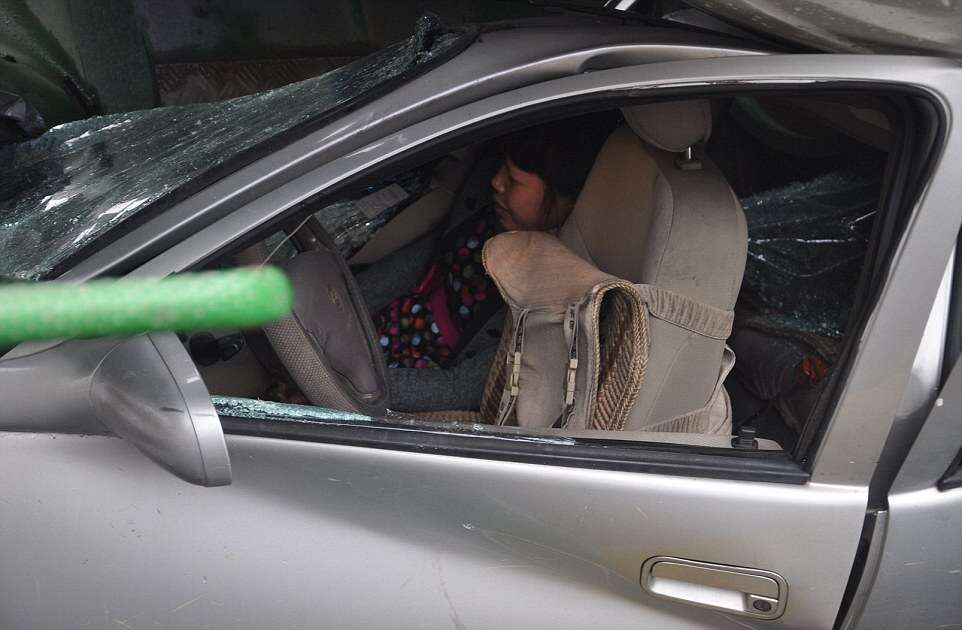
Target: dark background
x=75, y=58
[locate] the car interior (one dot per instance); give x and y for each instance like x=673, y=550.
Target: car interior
x=743, y=222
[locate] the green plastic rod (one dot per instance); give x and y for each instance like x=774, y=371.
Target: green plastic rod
x=208, y=300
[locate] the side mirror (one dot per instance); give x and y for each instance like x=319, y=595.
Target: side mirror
x=143, y=388
x=147, y=391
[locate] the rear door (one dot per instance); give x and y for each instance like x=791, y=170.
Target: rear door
x=350, y=524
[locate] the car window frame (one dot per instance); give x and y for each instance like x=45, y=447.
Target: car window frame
x=569, y=105
x=952, y=477
x=637, y=456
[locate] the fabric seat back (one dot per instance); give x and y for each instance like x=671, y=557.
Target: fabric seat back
x=657, y=212
x=573, y=350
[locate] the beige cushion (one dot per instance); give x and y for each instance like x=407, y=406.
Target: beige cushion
x=561, y=363
x=535, y=269
x=640, y=218
x=621, y=182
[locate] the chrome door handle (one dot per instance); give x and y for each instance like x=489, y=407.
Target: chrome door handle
x=740, y=590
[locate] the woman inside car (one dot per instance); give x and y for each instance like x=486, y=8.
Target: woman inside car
x=450, y=318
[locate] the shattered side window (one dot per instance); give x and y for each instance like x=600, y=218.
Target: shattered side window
x=806, y=245
x=65, y=189
x=250, y=409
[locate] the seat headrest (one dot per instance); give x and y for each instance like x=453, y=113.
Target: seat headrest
x=642, y=218
x=673, y=126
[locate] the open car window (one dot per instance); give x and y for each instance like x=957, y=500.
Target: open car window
x=69, y=187
x=811, y=211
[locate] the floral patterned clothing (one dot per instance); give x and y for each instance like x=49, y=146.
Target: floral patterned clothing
x=426, y=327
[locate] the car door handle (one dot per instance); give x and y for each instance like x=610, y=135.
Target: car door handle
x=740, y=590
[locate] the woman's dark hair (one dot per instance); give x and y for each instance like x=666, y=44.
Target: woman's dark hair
x=561, y=153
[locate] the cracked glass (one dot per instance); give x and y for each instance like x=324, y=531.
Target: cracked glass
x=806, y=246
x=67, y=188
x=251, y=409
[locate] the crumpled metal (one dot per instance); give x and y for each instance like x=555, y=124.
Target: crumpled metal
x=22, y=119
x=64, y=190
x=806, y=246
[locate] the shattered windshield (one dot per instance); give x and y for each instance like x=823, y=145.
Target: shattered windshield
x=68, y=187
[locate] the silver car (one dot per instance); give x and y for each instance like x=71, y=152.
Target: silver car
x=150, y=482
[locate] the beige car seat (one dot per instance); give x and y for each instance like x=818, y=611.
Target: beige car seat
x=655, y=211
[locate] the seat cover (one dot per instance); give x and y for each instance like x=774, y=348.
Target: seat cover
x=574, y=348
x=653, y=215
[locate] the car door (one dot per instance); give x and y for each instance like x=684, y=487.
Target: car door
x=913, y=559
x=347, y=523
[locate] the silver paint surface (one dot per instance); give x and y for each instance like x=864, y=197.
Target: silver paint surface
x=316, y=535
x=919, y=576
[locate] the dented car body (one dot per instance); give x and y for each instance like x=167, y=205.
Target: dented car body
x=347, y=520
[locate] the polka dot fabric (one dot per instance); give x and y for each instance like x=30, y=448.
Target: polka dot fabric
x=423, y=329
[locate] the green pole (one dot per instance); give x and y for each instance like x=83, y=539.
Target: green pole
x=209, y=300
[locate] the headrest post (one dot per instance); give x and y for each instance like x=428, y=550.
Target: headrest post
x=687, y=161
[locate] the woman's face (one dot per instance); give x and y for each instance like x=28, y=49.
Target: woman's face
x=518, y=197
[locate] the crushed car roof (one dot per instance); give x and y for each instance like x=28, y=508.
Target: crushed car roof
x=853, y=26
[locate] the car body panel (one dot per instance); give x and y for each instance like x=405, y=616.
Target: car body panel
x=319, y=535
x=917, y=581
x=315, y=534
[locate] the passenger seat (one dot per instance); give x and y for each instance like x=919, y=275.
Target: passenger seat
x=654, y=210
